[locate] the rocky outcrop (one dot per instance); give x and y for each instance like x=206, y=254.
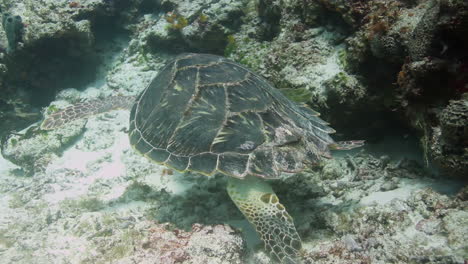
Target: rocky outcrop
x=449, y=142
x=57, y=45
x=202, y=26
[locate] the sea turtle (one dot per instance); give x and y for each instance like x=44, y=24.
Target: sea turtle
x=207, y=114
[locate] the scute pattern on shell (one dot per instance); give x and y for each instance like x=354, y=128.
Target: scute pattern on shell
x=208, y=114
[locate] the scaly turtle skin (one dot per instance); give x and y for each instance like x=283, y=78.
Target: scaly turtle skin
x=207, y=114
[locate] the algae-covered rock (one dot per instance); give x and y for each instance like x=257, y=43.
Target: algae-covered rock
x=202, y=244
x=449, y=143
x=404, y=52
x=196, y=25
x=345, y=88
x=303, y=53
x=361, y=219
x=455, y=223
x=422, y=37
x=61, y=46
x=34, y=149
x=394, y=32
x=399, y=231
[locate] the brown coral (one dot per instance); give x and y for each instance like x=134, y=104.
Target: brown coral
x=450, y=140
x=176, y=21
x=73, y=4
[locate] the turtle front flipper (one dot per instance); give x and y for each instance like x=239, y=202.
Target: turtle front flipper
x=259, y=204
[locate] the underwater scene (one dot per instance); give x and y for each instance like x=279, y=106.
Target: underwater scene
x=234, y=131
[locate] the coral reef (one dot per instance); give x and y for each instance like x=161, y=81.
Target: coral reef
x=422, y=36
x=420, y=44
x=449, y=143
x=33, y=150
x=300, y=58
x=337, y=56
x=201, y=26
x=367, y=206
x=67, y=39
x=374, y=69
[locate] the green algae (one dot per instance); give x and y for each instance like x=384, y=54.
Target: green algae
x=231, y=46
x=16, y=201
x=84, y=204
x=300, y=95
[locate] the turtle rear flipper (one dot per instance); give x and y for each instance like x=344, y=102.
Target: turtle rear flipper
x=259, y=204
x=346, y=145
x=85, y=109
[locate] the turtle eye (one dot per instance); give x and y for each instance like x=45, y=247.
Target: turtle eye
x=266, y=197
x=10, y=19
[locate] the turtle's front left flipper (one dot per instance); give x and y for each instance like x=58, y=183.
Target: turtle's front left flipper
x=85, y=109
x=258, y=202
